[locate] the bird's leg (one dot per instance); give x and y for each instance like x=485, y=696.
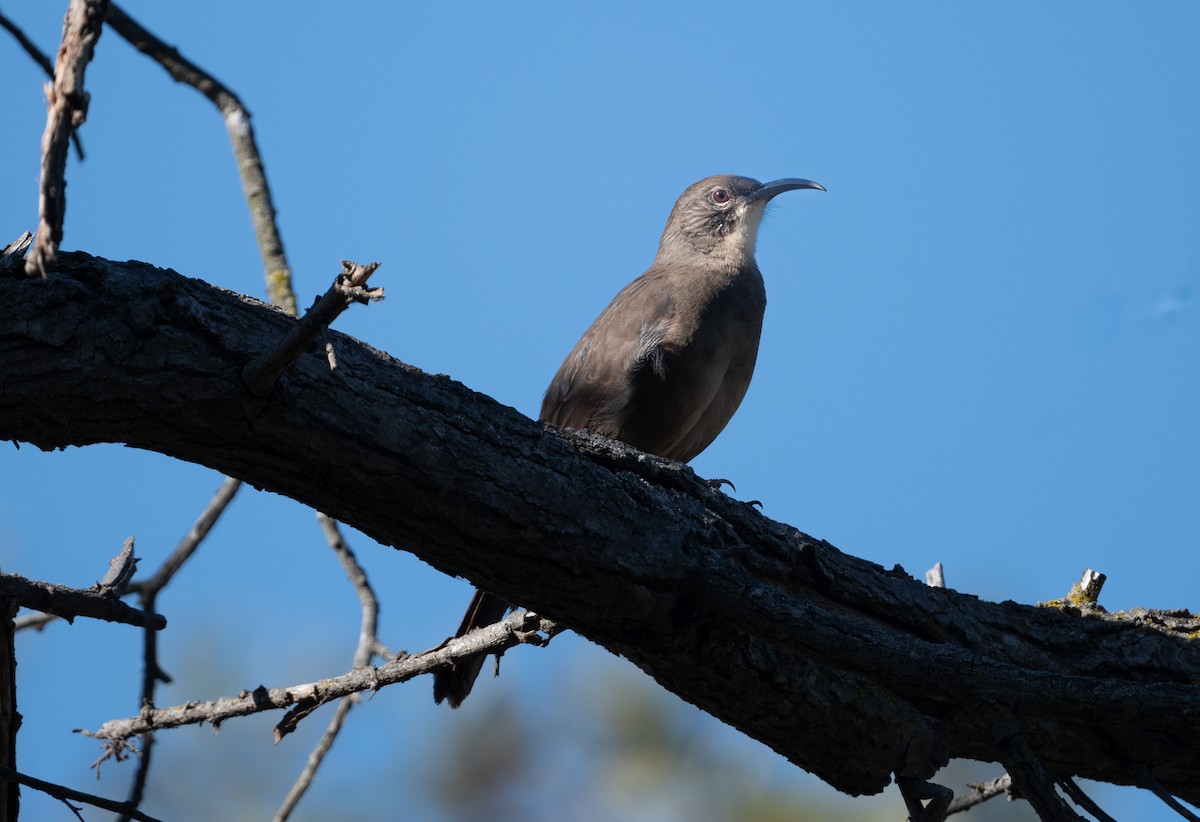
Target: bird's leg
x=915, y=791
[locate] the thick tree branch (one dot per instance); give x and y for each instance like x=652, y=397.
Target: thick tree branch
x=851, y=671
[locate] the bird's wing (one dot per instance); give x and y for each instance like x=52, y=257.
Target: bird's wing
x=594, y=381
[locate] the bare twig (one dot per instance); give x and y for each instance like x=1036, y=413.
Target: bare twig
x=315, y=758
x=65, y=794
x=1154, y=786
x=10, y=719
x=69, y=603
x=368, y=644
x=149, y=590
x=191, y=541
x=12, y=256
x=1071, y=788
x=35, y=621
x=980, y=792
x=42, y=60
x=245, y=149
x=112, y=585
x=120, y=570
x=348, y=288
x=1034, y=780
x=68, y=110
x=30, y=47
x=519, y=628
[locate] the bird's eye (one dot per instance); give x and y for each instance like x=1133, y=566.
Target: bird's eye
x=719, y=196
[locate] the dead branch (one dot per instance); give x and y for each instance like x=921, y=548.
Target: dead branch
x=368, y=646
x=301, y=700
x=68, y=110
x=245, y=149
x=69, y=603
x=43, y=62
x=347, y=288
x=66, y=794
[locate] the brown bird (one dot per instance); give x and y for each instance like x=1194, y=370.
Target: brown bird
x=664, y=367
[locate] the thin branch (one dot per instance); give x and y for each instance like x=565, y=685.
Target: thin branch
x=10, y=719
x=980, y=792
x=34, y=621
x=69, y=603
x=64, y=793
x=1155, y=787
x=149, y=590
x=304, y=780
x=68, y=110
x=368, y=644
x=245, y=150
x=519, y=628
x=348, y=288
x=113, y=585
x=1034, y=779
x=191, y=541
x=363, y=653
x=1071, y=788
x=42, y=60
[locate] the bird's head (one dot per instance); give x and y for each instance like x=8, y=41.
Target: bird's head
x=719, y=216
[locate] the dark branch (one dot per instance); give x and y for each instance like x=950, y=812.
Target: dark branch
x=69, y=603
x=190, y=542
x=39, y=57
x=348, y=288
x=65, y=794
x=851, y=671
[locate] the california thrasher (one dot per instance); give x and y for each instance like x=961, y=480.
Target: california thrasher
x=664, y=367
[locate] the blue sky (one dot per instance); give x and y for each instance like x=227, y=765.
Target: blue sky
x=980, y=346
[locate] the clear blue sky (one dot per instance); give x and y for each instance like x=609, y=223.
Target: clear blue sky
x=980, y=349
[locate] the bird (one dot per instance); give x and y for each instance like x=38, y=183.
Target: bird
x=667, y=363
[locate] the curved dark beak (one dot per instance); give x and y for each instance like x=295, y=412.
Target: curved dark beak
x=768, y=190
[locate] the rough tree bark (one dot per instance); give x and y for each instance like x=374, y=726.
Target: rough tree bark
x=851, y=671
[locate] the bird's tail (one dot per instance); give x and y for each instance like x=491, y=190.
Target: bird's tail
x=454, y=682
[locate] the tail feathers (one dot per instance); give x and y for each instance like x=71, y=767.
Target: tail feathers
x=454, y=682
